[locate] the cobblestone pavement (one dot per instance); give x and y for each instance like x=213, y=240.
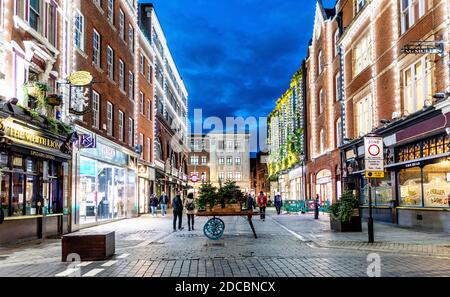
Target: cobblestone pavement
x=288, y=245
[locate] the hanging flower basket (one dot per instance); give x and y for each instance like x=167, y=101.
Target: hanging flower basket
x=54, y=100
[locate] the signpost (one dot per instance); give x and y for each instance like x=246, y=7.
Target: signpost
x=374, y=167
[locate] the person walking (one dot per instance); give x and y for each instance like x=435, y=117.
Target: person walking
x=154, y=205
x=278, y=203
x=189, y=205
x=251, y=204
x=177, y=212
x=164, y=201
x=262, y=204
x=316, y=207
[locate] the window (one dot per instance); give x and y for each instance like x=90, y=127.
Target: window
x=436, y=184
x=142, y=64
x=221, y=161
x=321, y=102
x=411, y=12
x=362, y=56
x=130, y=85
x=336, y=39
x=410, y=181
x=238, y=144
x=230, y=144
x=51, y=23
x=194, y=160
x=121, y=125
x=229, y=160
x=121, y=75
x=364, y=116
x=110, y=62
x=34, y=17
x=221, y=176
x=230, y=175
x=149, y=73
x=96, y=49
x=141, y=141
x=149, y=149
x=95, y=110
x=322, y=141
x=237, y=176
x=141, y=102
x=417, y=85
x=359, y=5
x=79, y=31
x=149, y=110
x=121, y=24
x=110, y=15
x=337, y=86
x=109, y=118
x=238, y=161
x=130, y=131
x=339, y=132
x=131, y=38
x=319, y=62
x=204, y=160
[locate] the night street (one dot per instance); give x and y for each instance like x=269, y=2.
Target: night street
x=288, y=246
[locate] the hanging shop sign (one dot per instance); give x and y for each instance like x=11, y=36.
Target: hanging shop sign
x=374, y=157
x=424, y=47
x=80, y=93
x=88, y=141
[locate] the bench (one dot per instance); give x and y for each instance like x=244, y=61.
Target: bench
x=97, y=246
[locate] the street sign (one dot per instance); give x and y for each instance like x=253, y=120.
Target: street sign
x=194, y=178
x=374, y=157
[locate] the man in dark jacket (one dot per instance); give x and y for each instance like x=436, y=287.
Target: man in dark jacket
x=177, y=212
x=278, y=203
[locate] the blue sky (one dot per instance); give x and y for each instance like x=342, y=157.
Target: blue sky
x=236, y=57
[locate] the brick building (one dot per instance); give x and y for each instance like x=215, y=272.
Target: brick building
x=259, y=174
x=104, y=43
x=396, y=83
x=35, y=146
x=199, y=160
x=323, y=107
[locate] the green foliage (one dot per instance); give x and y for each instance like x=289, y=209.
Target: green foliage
x=342, y=210
x=39, y=92
x=207, y=196
x=34, y=113
x=272, y=178
x=53, y=125
x=230, y=193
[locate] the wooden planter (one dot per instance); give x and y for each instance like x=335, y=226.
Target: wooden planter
x=354, y=225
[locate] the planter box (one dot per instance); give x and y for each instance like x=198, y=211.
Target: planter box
x=354, y=225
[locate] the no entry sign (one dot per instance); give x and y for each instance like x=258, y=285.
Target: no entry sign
x=374, y=157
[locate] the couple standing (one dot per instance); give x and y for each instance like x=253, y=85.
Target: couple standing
x=178, y=206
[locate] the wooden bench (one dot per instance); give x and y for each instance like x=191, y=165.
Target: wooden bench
x=97, y=246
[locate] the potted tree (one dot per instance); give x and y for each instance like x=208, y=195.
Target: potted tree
x=231, y=196
x=344, y=214
x=207, y=197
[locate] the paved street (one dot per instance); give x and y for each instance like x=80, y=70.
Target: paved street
x=288, y=245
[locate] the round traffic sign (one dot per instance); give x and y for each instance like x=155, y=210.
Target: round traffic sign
x=194, y=178
x=374, y=150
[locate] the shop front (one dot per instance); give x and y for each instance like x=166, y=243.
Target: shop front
x=105, y=178
x=324, y=186
x=415, y=191
x=296, y=184
x=146, y=184
x=34, y=177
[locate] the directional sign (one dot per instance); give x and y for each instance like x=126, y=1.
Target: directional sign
x=374, y=157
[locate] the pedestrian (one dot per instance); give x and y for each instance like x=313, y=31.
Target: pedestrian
x=251, y=204
x=163, y=201
x=177, y=212
x=154, y=205
x=189, y=205
x=316, y=207
x=262, y=203
x=278, y=203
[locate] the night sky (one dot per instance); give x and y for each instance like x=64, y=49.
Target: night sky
x=236, y=57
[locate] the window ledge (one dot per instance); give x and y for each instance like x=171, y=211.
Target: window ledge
x=99, y=8
x=112, y=26
x=423, y=208
x=81, y=53
x=97, y=67
x=111, y=81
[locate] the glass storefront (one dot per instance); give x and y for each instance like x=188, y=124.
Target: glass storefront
x=30, y=186
x=144, y=194
x=102, y=191
x=381, y=191
x=427, y=186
